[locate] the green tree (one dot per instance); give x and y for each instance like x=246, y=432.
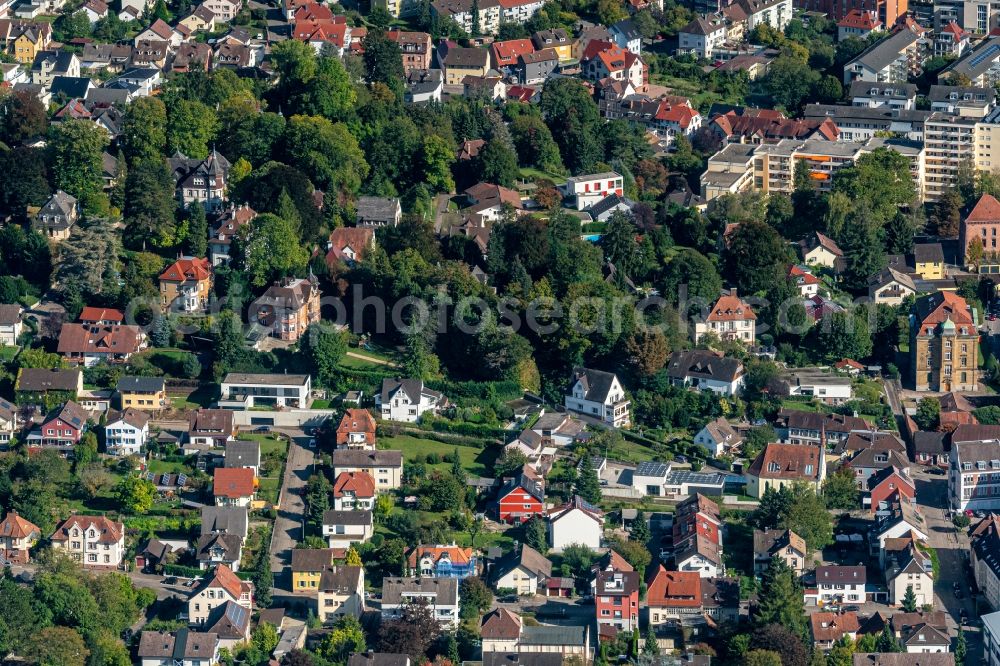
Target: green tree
x=353, y=558
x=880, y=179
x=135, y=494
x=265, y=638
x=887, y=641
x=961, y=649
x=24, y=117
x=809, y=518
x=845, y=335
x=928, y=415
x=268, y=248
x=150, y=205
x=536, y=534
x=757, y=257
x=762, y=658
x=842, y=653
x=476, y=596
x=191, y=125
x=578, y=559
x=640, y=532
x=326, y=150
x=436, y=159
x=497, y=163
x=75, y=148
x=197, y=238
x=620, y=246
x=262, y=577
x=346, y=639
x=650, y=647
x=323, y=347
x=383, y=61
x=144, y=130
x=780, y=599
x=56, y=646
x=588, y=486
x=317, y=497
x=946, y=214
x=909, y=600
x=774, y=506
x=840, y=490
x=790, y=81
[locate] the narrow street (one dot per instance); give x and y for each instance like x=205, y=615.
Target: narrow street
x=291, y=512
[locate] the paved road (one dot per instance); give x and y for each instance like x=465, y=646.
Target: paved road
x=952, y=548
x=291, y=514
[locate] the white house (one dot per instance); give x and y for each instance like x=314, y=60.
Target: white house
x=341, y=592
x=627, y=35
x=826, y=386
x=178, y=648
x=407, y=400
x=706, y=370
x=840, y=584
x=94, y=541
x=524, y=570
x=343, y=529
x=10, y=324
x=718, y=437
x=974, y=475
x=600, y=395
x=248, y=390
x=903, y=520
x=440, y=595
x=702, y=36
x=8, y=422
x=126, y=432
x=650, y=477
x=588, y=190
x=910, y=568
x=729, y=319
x=222, y=586
x=576, y=522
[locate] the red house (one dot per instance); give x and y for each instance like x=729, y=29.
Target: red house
x=616, y=599
x=887, y=487
x=521, y=497
x=62, y=428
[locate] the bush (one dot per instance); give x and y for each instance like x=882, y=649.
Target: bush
x=961, y=521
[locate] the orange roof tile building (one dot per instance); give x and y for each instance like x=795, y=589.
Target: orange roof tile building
x=729, y=319
x=944, y=344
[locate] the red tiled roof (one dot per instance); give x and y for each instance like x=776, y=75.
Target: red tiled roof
x=183, y=270
x=357, y=420
x=801, y=276
x=16, y=527
x=506, y=53
x=110, y=531
x=455, y=554
x=859, y=20
x=951, y=306
x=832, y=626
x=101, y=314
x=360, y=484
x=358, y=239
x=731, y=308
x=987, y=209
x=674, y=588
x=93, y=338
x=224, y=577
x=846, y=363
x=233, y=482
x=790, y=459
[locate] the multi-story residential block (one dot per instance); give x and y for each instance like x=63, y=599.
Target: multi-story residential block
x=729, y=319
x=17, y=537
x=556, y=38
x=441, y=561
x=460, y=62
x=439, y=594
x=616, y=599
x=840, y=584
x=600, y=395
x=288, y=308
x=796, y=426
x=343, y=529
x=909, y=568
x=697, y=537
x=249, y=390
x=186, y=285
x=944, y=344
x=415, y=47
x=386, y=467
x=894, y=59
x=407, y=400
x=178, y=648
x=981, y=66
x=949, y=141
x=867, y=95
x=781, y=465
x=985, y=560
x=126, y=432
x=974, y=475
x=782, y=544
x=146, y=393
x=341, y=592
x=991, y=638
x=356, y=430
x=94, y=541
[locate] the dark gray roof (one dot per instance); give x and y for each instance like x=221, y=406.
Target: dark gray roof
x=418, y=81
x=466, y=57
x=929, y=442
x=703, y=364
x=898, y=91
x=361, y=458
x=378, y=659
x=232, y=519
x=563, y=635
x=608, y=203
x=596, y=383
x=70, y=86
x=141, y=384
x=40, y=379
x=311, y=559
x=976, y=62
x=651, y=469
x=904, y=659
x=522, y=659
x=526, y=557
x=341, y=579
x=961, y=95
x=179, y=645
x=378, y=208
x=268, y=379
x=396, y=590
x=230, y=621
x=333, y=517
x=60, y=59
x=627, y=29
x=242, y=453
x=230, y=544
x=840, y=113
x=10, y=314
x=878, y=56
x=928, y=253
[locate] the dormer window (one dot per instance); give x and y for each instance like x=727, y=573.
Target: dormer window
x=773, y=467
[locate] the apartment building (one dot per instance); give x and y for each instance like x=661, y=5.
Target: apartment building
x=944, y=344
x=249, y=390
x=94, y=541
x=895, y=59
x=948, y=142
x=888, y=11
x=981, y=66
x=974, y=476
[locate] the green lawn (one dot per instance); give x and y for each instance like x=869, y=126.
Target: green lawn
x=164, y=467
x=352, y=363
x=476, y=462
x=269, y=488
x=801, y=406
x=268, y=443
x=528, y=173
x=7, y=352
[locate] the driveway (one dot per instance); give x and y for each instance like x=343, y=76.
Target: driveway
x=952, y=548
x=291, y=514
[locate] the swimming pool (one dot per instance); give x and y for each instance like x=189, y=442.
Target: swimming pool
x=593, y=238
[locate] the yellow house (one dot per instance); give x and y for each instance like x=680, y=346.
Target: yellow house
x=780, y=465
x=461, y=62
x=186, y=285
x=928, y=261
x=143, y=393
x=200, y=20
x=557, y=39
x=308, y=565
x=28, y=42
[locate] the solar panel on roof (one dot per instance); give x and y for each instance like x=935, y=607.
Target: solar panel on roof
x=182, y=479
x=150, y=476
x=651, y=469
x=165, y=479
x=988, y=53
